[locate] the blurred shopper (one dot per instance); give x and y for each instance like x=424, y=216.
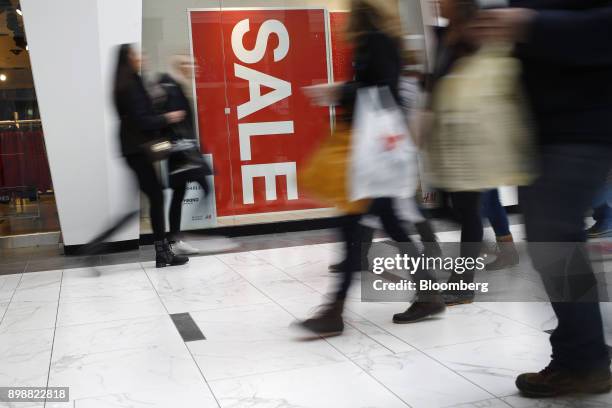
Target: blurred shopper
x=140, y=133
x=409, y=93
x=452, y=46
x=375, y=31
x=602, y=213
x=187, y=165
x=494, y=211
x=567, y=57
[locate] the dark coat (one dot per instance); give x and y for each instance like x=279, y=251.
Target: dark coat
x=140, y=124
x=567, y=61
x=377, y=62
x=176, y=100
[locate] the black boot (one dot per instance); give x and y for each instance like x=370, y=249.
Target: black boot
x=327, y=323
x=165, y=257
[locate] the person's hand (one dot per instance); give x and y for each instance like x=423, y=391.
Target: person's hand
x=323, y=95
x=175, y=117
x=505, y=25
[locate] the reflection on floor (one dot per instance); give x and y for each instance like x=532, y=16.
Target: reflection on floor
x=113, y=339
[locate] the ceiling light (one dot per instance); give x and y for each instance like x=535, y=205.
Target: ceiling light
x=19, y=12
x=2, y=77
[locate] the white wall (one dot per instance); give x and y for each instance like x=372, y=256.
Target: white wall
x=72, y=45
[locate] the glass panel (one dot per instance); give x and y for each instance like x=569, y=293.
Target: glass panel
x=253, y=59
x=27, y=201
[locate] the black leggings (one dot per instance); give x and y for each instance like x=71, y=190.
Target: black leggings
x=352, y=232
x=179, y=187
x=467, y=205
x=149, y=184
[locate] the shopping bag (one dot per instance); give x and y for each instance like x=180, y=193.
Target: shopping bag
x=480, y=136
x=384, y=157
x=325, y=175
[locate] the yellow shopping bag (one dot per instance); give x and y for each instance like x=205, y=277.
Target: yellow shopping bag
x=325, y=177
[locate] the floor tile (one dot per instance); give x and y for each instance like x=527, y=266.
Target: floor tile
x=254, y=340
x=125, y=371
x=495, y=363
x=165, y=397
x=205, y=283
x=8, y=284
x=28, y=315
x=39, y=287
x=340, y=385
x=421, y=381
x=491, y=403
x=25, y=358
x=538, y=315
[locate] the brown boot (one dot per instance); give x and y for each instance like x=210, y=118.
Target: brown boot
x=327, y=323
x=507, y=255
x=553, y=382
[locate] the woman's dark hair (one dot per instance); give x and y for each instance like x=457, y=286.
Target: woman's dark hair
x=124, y=75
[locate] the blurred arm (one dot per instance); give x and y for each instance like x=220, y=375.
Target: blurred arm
x=571, y=37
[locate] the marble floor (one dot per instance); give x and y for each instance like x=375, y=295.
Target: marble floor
x=112, y=339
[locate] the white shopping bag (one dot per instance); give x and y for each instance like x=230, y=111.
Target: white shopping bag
x=383, y=158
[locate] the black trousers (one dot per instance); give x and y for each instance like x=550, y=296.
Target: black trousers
x=467, y=205
x=554, y=207
x=352, y=233
x=150, y=185
x=179, y=187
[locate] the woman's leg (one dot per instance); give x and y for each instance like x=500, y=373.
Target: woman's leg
x=492, y=208
x=468, y=207
x=150, y=185
x=495, y=212
x=176, y=209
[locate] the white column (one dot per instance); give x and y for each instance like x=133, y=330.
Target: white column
x=72, y=47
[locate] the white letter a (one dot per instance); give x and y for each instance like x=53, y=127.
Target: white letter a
x=280, y=90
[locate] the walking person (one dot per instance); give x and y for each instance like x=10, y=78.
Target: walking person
x=375, y=31
x=567, y=68
x=467, y=205
x=185, y=166
x=140, y=126
x=602, y=213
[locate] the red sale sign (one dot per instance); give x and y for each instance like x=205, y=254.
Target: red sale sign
x=252, y=115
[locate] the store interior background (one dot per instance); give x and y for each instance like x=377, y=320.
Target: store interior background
x=27, y=202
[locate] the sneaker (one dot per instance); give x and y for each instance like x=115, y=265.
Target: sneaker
x=183, y=248
x=599, y=231
x=419, y=311
x=553, y=382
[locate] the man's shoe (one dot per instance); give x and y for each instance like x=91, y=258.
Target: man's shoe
x=553, y=382
x=328, y=323
x=599, y=230
x=419, y=311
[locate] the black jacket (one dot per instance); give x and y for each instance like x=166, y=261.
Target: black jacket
x=567, y=61
x=176, y=100
x=377, y=62
x=140, y=124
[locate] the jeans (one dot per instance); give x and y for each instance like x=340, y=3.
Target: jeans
x=495, y=212
x=554, y=207
x=602, y=207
